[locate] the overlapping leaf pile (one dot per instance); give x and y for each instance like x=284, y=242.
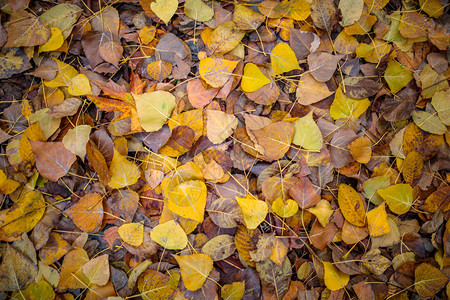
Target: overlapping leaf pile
x=193, y=149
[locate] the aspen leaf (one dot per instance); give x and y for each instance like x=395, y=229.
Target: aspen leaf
x=275, y=278
x=415, y=139
x=412, y=168
x=62, y=16
x=164, y=9
x=72, y=276
x=195, y=269
x=26, y=30
x=304, y=193
x=398, y=197
x=219, y=125
x=307, y=134
x=246, y=18
x=323, y=211
x=216, y=71
x=310, y=91
x=198, y=10
x=156, y=285
x=352, y=207
x=37, y=290
x=397, y=76
x=428, y=280
x=224, y=38
x=17, y=270
x=132, y=233
x=169, y=235
x=433, y=8
x=97, y=270
x=284, y=209
x=428, y=122
x=55, y=41
x=23, y=214
x=253, y=79
x=7, y=186
x=79, y=86
x=87, y=213
x=275, y=139
x=253, y=210
x=361, y=149
x=346, y=107
x=245, y=240
x=351, y=11
x=200, y=95
x=159, y=70
x=442, y=105
x=154, y=108
x=76, y=139
x=334, y=278
x=219, y=247
x=323, y=14
x=233, y=291
x=53, y=160
x=377, y=221
x=412, y=25
x=188, y=200
x=374, y=262
x=323, y=65
x=123, y=172
x=64, y=75
x=283, y=59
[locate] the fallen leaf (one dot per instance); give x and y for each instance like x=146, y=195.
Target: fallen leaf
x=55, y=41
x=346, y=107
x=79, y=86
x=284, y=209
x=76, y=139
x=219, y=247
x=224, y=38
x=398, y=197
x=397, y=76
x=307, y=134
x=412, y=168
x=323, y=211
x=195, y=268
x=283, y=59
x=165, y=9
x=428, y=122
x=26, y=30
x=254, y=211
x=442, y=106
x=188, y=200
x=352, y=207
x=216, y=71
x=72, y=276
x=253, y=79
x=154, y=108
x=233, y=291
x=275, y=278
x=169, y=235
x=53, y=160
x=246, y=18
x=123, y=172
x=323, y=14
x=87, y=213
x=323, y=65
x=198, y=10
x=7, y=186
x=97, y=270
x=219, y=125
x=351, y=11
x=304, y=193
x=334, y=278
x=17, y=270
x=428, y=280
x=132, y=233
x=361, y=149
x=310, y=91
x=377, y=221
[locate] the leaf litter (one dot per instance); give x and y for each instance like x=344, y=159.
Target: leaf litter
x=224, y=150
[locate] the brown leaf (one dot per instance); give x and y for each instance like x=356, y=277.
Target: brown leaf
x=87, y=213
x=340, y=155
x=323, y=14
x=360, y=87
x=275, y=139
x=322, y=65
x=304, y=193
x=26, y=30
x=198, y=94
x=53, y=160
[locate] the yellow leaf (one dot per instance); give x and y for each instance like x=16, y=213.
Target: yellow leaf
x=433, y=8
x=233, y=291
x=97, y=270
x=307, y=134
x=198, y=10
x=195, y=269
x=334, y=278
x=224, y=38
x=346, y=107
x=147, y=34
x=284, y=209
x=72, y=276
x=322, y=211
x=76, y=139
x=219, y=125
x=398, y=197
x=87, y=213
x=352, y=206
x=188, y=200
x=79, y=86
x=442, y=105
x=154, y=108
x=55, y=42
x=23, y=215
x=253, y=79
x=246, y=18
x=428, y=280
x=64, y=75
x=216, y=71
x=123, y=172
x=283, y=59
x=377, y=221
x=397, y=76
x=132, y=233
x=164, y=9
x=170, y=235
x=219, y=247
x=254, y=210
x=412, y=168
x=7, y=186
x=361, y=149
